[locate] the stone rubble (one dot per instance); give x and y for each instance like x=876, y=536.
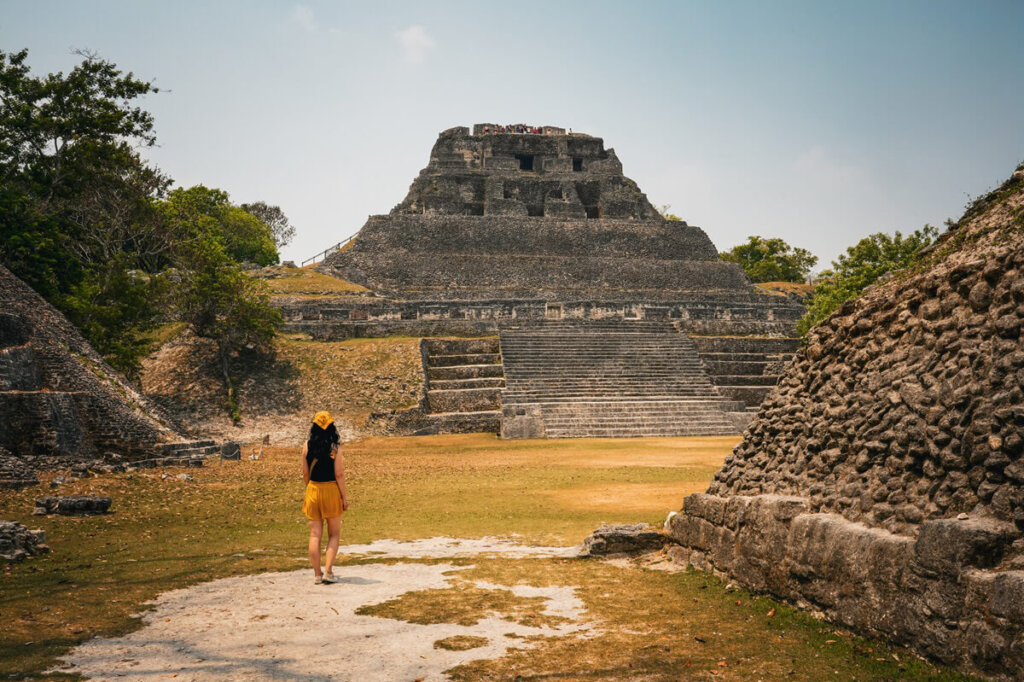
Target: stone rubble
x=18, y=542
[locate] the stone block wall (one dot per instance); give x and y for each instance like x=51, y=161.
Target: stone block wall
x=953, y=593
x=906, y=405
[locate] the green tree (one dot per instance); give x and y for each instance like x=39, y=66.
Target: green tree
x=274, y=218
x=213, y=295
x=208, y=213
x=862, y=265
x=76, y=199
x=771, y=260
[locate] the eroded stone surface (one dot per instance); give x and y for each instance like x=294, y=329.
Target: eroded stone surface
x=624, y=539
x=72, y=505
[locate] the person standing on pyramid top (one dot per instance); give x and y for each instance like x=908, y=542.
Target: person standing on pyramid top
x=325, y=492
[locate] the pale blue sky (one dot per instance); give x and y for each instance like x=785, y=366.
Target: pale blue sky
x=817, y=121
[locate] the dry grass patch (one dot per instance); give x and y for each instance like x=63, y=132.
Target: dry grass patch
x=307, y=281
x=649, y=625
x=460, y=643
x=464, y=603
x=628, y=498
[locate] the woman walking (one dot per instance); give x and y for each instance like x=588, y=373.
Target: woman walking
x=325, y=492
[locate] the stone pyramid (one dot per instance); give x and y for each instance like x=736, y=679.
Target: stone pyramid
x=59, y=401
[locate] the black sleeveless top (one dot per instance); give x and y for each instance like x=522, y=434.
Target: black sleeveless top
x=321, y=464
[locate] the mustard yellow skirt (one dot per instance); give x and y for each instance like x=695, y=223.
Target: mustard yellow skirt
x=323, y=501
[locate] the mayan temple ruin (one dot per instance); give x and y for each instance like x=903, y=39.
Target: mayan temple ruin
x=881, y=483
x=610, y=320
x=63, y=405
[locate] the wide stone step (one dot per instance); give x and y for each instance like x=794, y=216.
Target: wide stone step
x=486, y=382
x=461, y=346
x=751, y=396
x=744, y=380
x=744, y=344
x=487, y=421
x=675, y=432
x=464, y=400
x=463, y=359
x=720, y=367
x=465, y=371
x=624, y=419
x=745, y=357
x=727, y=404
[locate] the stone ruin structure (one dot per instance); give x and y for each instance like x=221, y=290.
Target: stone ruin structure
x=882, y=481
x=534, y=234
x=61, y=404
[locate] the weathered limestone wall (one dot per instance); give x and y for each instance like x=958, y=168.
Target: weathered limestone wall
x=403, y=253
x=724, y=314
x=882, y=481
x=936, y=593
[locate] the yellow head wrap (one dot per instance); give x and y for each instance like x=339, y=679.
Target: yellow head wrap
x=323, y=419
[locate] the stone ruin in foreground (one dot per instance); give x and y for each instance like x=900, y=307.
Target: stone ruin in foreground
x=610, y=320
x=61, y=405
x=882, y=481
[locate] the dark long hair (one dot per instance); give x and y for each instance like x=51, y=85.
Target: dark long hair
x=322, y=440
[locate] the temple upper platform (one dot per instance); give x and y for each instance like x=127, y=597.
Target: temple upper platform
x=510, y=210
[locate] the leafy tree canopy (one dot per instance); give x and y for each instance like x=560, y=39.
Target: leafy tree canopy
x=203, y=213
x=771, y=260
x=76, y=199
x=862, y=265
x=90, y=225
x=274, y=218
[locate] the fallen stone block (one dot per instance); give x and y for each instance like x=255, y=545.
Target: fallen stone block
x=624, y=539
x=74, y=505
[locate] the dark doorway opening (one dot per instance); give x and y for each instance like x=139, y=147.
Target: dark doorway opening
x=525, y=161
x=577, y=164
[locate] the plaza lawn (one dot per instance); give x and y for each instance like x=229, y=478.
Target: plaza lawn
x=243, y=518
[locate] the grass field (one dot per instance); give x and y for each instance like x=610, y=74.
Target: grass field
x=244, y=518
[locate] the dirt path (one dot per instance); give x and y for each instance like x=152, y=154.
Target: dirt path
x=279, y=626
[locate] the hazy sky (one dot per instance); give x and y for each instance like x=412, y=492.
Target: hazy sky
x=818, y=121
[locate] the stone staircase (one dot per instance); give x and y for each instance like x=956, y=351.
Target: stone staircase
x=462, y=382
x=745, y=368
x=614, y=378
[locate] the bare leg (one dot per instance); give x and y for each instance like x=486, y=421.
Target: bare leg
x=316, y=531
x=333, y=534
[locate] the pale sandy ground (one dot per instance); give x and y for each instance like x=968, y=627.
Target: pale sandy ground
x=279, y=626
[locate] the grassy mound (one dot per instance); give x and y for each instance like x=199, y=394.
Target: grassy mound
x=279, y=395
